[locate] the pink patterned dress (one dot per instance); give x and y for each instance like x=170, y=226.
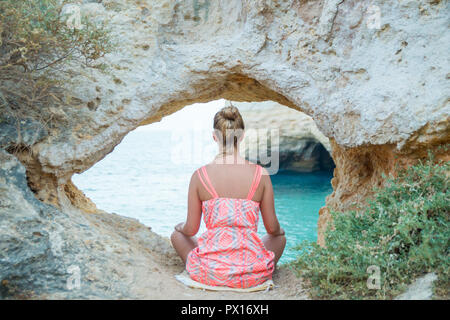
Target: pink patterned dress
x=230, y=253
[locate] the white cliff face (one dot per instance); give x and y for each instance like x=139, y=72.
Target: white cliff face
x=301, y=146
x=373, y=76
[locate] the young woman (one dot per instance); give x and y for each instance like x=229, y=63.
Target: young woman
x=229, y=192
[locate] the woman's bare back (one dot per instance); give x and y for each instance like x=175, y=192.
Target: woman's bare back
x=231, y=181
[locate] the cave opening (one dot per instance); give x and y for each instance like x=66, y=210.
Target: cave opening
x=147, y=175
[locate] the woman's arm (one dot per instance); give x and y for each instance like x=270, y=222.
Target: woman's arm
x=267, y=207
x=194, y=215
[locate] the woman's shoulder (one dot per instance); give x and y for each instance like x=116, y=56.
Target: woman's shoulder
x=245, y=162
x=263, y=170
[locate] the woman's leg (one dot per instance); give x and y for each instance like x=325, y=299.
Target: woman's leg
x=183, y=244
x=275, y=244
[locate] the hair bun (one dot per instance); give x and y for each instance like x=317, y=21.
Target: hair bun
x=230, y=113
x=228, y=121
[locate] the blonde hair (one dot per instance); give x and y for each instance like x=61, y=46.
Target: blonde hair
x=228, y=121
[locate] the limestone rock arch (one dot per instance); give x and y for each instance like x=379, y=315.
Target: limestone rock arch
x=361, y=83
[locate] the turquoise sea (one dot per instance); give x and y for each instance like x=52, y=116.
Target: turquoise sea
x=147, y=175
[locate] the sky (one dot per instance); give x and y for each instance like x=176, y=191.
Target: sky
x=197, y=115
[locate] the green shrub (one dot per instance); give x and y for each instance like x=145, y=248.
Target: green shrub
x=403, y=230
x=35, y=46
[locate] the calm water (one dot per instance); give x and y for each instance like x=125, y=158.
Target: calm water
x=146, y=179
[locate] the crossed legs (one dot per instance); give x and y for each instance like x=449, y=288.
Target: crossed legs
x=184, y=244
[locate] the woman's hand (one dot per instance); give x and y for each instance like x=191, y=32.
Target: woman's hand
x=179, y=227
x=279, y=233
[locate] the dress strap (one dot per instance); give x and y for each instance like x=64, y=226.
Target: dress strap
x=255, y=182
x=210, y=189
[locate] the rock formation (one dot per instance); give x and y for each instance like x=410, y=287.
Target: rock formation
x=373, y=76
x=300, y=145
